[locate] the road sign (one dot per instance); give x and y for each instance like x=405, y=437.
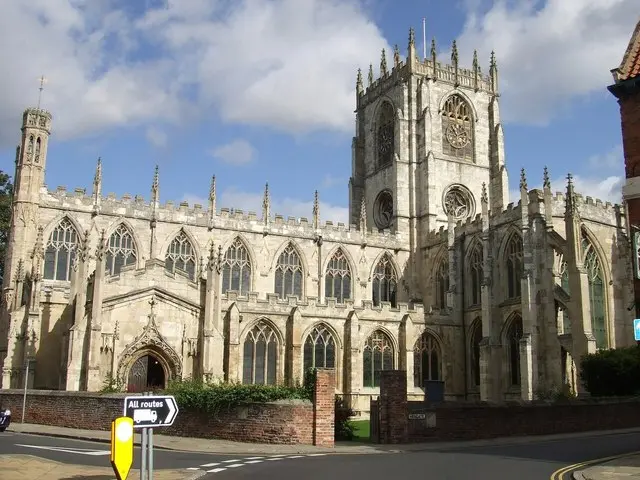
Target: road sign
x=122, y=446
x=636, y=329
x=151, y=411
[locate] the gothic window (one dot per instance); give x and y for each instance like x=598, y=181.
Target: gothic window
x=426, y=360
x=181, y=256
x=457, y=128
x=385, y=135
x=38, y=145
x=385, y=282
x=564, y=277
x=383, y=210
x=289, y=273
x=476, y=338
x=442, y=283
x=476, y=272
x=563, y=321
x=260, y=360
x=377, y=355
x=236, y=271
x=514, y=266
x=319, y=349
x=30, y=148
x=60, y=251
x=121, y=251
x=514, y=334
x=337, y=282
x=596, y=292
x=458, y=202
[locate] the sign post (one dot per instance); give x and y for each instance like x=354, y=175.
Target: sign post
x=147, y=412
x=122, y=446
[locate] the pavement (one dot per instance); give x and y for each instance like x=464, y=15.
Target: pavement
x=52, y=453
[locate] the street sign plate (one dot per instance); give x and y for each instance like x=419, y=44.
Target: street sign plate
x=151, y=411
x=636, y=329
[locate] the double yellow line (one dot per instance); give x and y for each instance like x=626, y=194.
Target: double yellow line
x=561, y=474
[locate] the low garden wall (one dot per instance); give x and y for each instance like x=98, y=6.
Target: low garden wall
x=396, y=420
x=279, y=422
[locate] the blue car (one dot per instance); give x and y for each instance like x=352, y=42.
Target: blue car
x=5, y=418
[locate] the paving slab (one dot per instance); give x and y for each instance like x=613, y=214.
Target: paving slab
x=35, y=468
x=627, y=468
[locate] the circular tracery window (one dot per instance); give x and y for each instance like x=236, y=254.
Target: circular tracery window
x=383, y=210
x=458, y=202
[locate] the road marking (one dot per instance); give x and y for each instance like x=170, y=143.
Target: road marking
x=210, y=464
x=274, y=459
x=296, y=456
x=235, y=465
x=78, y=451
x=253, y=458
x=560, y=473
x=193, y=468
x=316, y=455
x=230, y=461
x=216, y=470
x=254, y=461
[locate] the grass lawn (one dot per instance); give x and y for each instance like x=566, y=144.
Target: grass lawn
x=361, y=430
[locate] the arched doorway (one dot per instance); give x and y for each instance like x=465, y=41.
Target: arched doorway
x=147, y=373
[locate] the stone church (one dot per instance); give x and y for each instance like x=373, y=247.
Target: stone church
x=437, y=273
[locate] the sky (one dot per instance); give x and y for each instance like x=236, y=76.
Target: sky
x=257, y=91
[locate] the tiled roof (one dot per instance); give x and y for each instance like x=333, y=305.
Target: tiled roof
x=630, y=66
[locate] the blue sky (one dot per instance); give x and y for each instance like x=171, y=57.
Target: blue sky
x=258, y=91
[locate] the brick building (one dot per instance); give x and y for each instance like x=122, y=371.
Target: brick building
x=626, y=89
x=437, y=274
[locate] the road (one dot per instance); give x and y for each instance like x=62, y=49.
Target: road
x=534, y=460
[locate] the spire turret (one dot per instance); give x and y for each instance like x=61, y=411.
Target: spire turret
x=363, y=215
x=155, y=186
x=383, y=64
x=476, y=71
x=97, y=187
x=370, y=77
x=212, y=201
x=546, y=183
x=359, y=86
x=266, y=205
x=454, y=62
x=316, y=210
x=571, y=208
x=396, y=56
x=434, y=58
x=523, y=181
x=493, y=73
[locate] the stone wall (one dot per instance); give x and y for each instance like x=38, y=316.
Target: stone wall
x=465, y=421
x=281, y=422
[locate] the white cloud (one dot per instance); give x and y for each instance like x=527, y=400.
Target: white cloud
x=156, y=137
x=252, y=201
x=236, y=152
x=549, y=51
x=330, y=181
x=287, y=64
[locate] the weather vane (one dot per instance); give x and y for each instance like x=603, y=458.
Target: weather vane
x=43, y=80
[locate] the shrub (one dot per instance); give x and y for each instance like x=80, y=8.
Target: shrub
x=614, y=372
x=211, y=398
x=343, y=427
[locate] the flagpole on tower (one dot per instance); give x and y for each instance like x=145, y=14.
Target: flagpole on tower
x=424, y=38
x=43, y=80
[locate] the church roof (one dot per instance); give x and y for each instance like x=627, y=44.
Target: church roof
x=630, y=66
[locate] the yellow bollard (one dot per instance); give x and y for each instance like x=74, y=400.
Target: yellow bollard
x=122, y=446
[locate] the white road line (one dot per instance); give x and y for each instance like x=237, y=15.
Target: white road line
x=274, y=459
x=282, y=455
x=230, y=461
x=253, y=458
x=216, y=470
x=296, y=456
x=316, y=455
x=236, y=465
x=193, y=468
x=210, y=464
x=254, y=461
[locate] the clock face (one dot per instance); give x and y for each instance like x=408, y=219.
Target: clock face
x=457, y=135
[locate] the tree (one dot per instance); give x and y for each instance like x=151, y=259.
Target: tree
x=6, y=196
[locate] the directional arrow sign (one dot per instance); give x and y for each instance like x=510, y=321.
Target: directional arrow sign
x=151, y=411
x=636, y=329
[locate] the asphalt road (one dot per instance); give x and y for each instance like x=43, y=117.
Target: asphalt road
x=534, y=460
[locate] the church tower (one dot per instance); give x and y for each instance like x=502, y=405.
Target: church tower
x=31, y=157
x=428, y=135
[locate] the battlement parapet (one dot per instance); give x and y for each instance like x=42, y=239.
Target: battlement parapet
x=330, y=308
x=137, y=207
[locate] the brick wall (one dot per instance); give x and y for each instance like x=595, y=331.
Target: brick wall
x=282, y=422
x=405, y=422
x=630, y=120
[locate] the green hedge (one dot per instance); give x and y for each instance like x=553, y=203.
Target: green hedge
x=614, y=372
x=211, y=398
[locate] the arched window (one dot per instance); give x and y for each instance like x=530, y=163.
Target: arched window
x=30, y=147
x=236, y=271
x=476, y=338
x=121, y=251
x=514, y=334
x=596, y=293
x=289, y=273
x=514, y=266
x=319, y=349
x=377, y=355
x=442, y=283
x=476, y=272
x=426, y=360
x=385, y=282
x=337, y=282
x=385, y=135
x=457, y=128
x=260, y=360
x=60, y=251
x=181, y=256
x=37, y=155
